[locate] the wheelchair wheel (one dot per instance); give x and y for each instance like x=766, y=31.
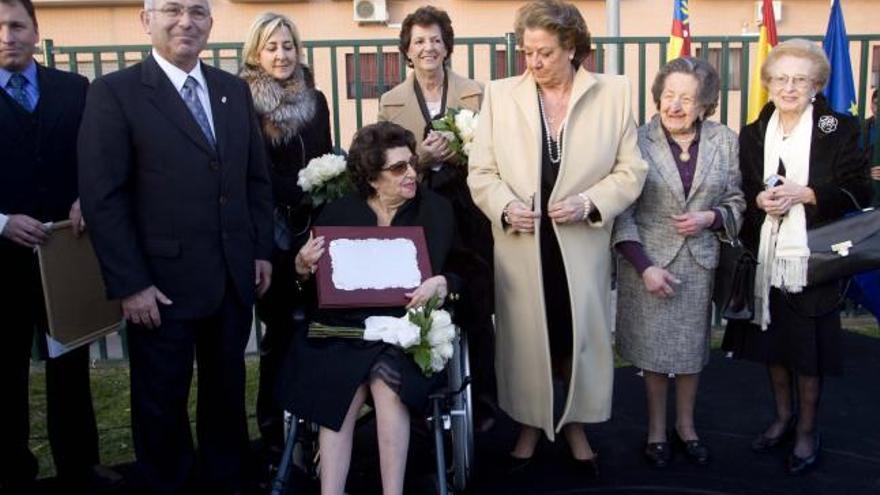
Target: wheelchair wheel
x=462, y=417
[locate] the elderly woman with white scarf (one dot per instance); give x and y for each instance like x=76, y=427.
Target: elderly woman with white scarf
x=798, y=162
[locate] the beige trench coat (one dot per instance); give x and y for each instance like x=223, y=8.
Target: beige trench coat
x=600, y=157
x=400, y=105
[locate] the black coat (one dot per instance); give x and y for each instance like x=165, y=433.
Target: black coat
x=836, y=162
x=163, y=206
x=288, y=155
x=321, y=375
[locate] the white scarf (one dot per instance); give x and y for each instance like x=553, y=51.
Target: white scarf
x=783, y=251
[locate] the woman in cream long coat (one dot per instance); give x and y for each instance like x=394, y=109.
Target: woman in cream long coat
x=600, y=160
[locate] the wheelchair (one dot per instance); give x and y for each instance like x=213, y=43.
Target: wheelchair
x=450, y=418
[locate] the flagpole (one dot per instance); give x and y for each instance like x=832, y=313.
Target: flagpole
x=612, y=27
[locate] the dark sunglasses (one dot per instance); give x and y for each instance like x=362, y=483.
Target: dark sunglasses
x=399, y=168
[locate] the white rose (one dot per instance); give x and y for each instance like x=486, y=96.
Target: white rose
x=408, y=334
x=463, y=118
x=449, y=135
x=466, y=123
x=467, y=147
x=446, y=350
x=319, y=170
x=442, y=330
x=304, y=181
x=437, y=361
x=381, y=328
x=391, y=330
x=440, y=318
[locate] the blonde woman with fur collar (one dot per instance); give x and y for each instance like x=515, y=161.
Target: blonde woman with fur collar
x=295, y=122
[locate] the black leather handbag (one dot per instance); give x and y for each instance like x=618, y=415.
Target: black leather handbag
x=734, y=293
x=845, y=247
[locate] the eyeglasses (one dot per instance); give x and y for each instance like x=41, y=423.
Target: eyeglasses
x=399, y=168
x=175, y=11
x=799, y=82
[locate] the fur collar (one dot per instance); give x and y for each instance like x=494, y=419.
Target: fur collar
x=285, y=108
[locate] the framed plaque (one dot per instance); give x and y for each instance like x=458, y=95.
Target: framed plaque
x=77, y=308
x=370, y=266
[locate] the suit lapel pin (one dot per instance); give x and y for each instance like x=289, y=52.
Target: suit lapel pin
x=222, y=99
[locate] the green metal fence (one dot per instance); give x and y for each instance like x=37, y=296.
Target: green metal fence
x=338, y=64
x=637, y=57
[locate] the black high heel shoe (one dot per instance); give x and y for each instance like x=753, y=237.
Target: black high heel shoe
x=587, y=467
x=763, y=443
x=516, y=465
x=796, y=466
x=695, y=450
x=658, y=454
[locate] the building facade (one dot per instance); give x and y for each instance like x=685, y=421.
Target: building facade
x=71, y=23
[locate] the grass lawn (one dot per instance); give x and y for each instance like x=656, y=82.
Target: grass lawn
x=110, y=393
x=112, y=401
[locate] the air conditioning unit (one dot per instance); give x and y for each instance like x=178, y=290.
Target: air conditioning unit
x=370, y=11
x=759, y=13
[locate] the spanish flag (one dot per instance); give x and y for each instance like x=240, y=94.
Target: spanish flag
x=766, y=41
x=680, y=39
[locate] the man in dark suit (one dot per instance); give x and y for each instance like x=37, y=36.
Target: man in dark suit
x=176, y=194
x=40, y=111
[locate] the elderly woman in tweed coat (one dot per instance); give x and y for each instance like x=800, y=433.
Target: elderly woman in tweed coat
x=669, y=242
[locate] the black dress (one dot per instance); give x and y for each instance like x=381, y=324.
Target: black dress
x=557, y=302
x=804, y=334
x=320, y=376
x=474, y=260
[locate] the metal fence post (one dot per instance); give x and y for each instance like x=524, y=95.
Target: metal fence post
x=510, y=46
x=48, y=53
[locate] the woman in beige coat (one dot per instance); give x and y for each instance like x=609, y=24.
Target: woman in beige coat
x=427, y=40
x=554, y=161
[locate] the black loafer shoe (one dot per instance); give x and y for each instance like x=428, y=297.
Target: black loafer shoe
x=695, y=450
x=797, y=466
x=762, y=443
x=658, y=454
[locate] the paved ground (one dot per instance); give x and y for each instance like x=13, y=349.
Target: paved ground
x=734, y=404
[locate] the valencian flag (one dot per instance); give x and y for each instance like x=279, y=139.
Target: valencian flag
x=840, y=91
x=680, y=38
x=766, y=41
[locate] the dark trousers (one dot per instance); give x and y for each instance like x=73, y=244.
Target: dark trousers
x=72, y=430
x=270, y=416
x=277, y=310
x=161, y=372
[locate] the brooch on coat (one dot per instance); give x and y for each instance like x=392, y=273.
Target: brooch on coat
x=827, y=124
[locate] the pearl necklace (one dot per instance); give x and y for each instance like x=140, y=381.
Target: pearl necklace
x=549, y=141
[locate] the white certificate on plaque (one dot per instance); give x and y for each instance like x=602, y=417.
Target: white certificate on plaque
x=378, y=264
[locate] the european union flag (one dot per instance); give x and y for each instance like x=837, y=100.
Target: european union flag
x=841, y=90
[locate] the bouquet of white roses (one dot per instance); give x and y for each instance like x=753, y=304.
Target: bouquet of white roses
x=425, y=333
x=325, y=178
x=459, y=126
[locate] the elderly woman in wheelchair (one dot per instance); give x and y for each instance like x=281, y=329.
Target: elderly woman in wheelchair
x=328, y=380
